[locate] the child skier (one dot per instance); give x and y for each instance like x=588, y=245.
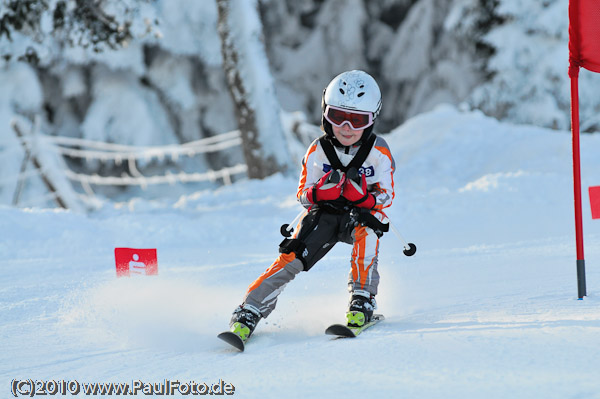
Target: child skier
x=346, y=182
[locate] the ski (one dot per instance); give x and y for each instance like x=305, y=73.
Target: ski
x=342, y=330
x=233, y=339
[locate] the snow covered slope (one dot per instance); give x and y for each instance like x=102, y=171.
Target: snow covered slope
x=486, y=308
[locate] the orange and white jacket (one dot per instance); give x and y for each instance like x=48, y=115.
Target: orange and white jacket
x=379, y=169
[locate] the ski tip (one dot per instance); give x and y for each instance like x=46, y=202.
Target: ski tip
x=340, y=330
x=232, y=339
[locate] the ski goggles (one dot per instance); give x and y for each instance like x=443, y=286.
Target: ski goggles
x=356, y=119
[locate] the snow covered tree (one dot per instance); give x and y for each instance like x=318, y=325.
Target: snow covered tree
x=529, y=81
x=99, y=24
x=251, y=87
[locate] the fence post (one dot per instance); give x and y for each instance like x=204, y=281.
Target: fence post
x=38, y=166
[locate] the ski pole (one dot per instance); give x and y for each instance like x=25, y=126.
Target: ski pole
x=409, y=247
x=286, y=229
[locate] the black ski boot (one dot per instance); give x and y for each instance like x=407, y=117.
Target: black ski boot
x=361, y=307
x=244, y=320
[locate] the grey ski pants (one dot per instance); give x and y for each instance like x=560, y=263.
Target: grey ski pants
x=318, y=233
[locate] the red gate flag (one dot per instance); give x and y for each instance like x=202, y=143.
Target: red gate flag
x=584, y=36
x=595, y=201
x=132, y=261
x=584, y=51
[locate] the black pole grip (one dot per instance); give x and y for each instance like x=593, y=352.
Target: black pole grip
x=352, y=174
x=334, y=177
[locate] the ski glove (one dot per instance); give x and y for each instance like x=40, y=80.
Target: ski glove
x=328, y=188
x=355, y=191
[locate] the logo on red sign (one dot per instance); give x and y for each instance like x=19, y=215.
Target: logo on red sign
x=132, y=261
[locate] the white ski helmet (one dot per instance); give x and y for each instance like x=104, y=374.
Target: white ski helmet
x=354, y=90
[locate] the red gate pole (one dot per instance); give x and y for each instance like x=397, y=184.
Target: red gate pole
x=581, y=285
x=575, y=63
